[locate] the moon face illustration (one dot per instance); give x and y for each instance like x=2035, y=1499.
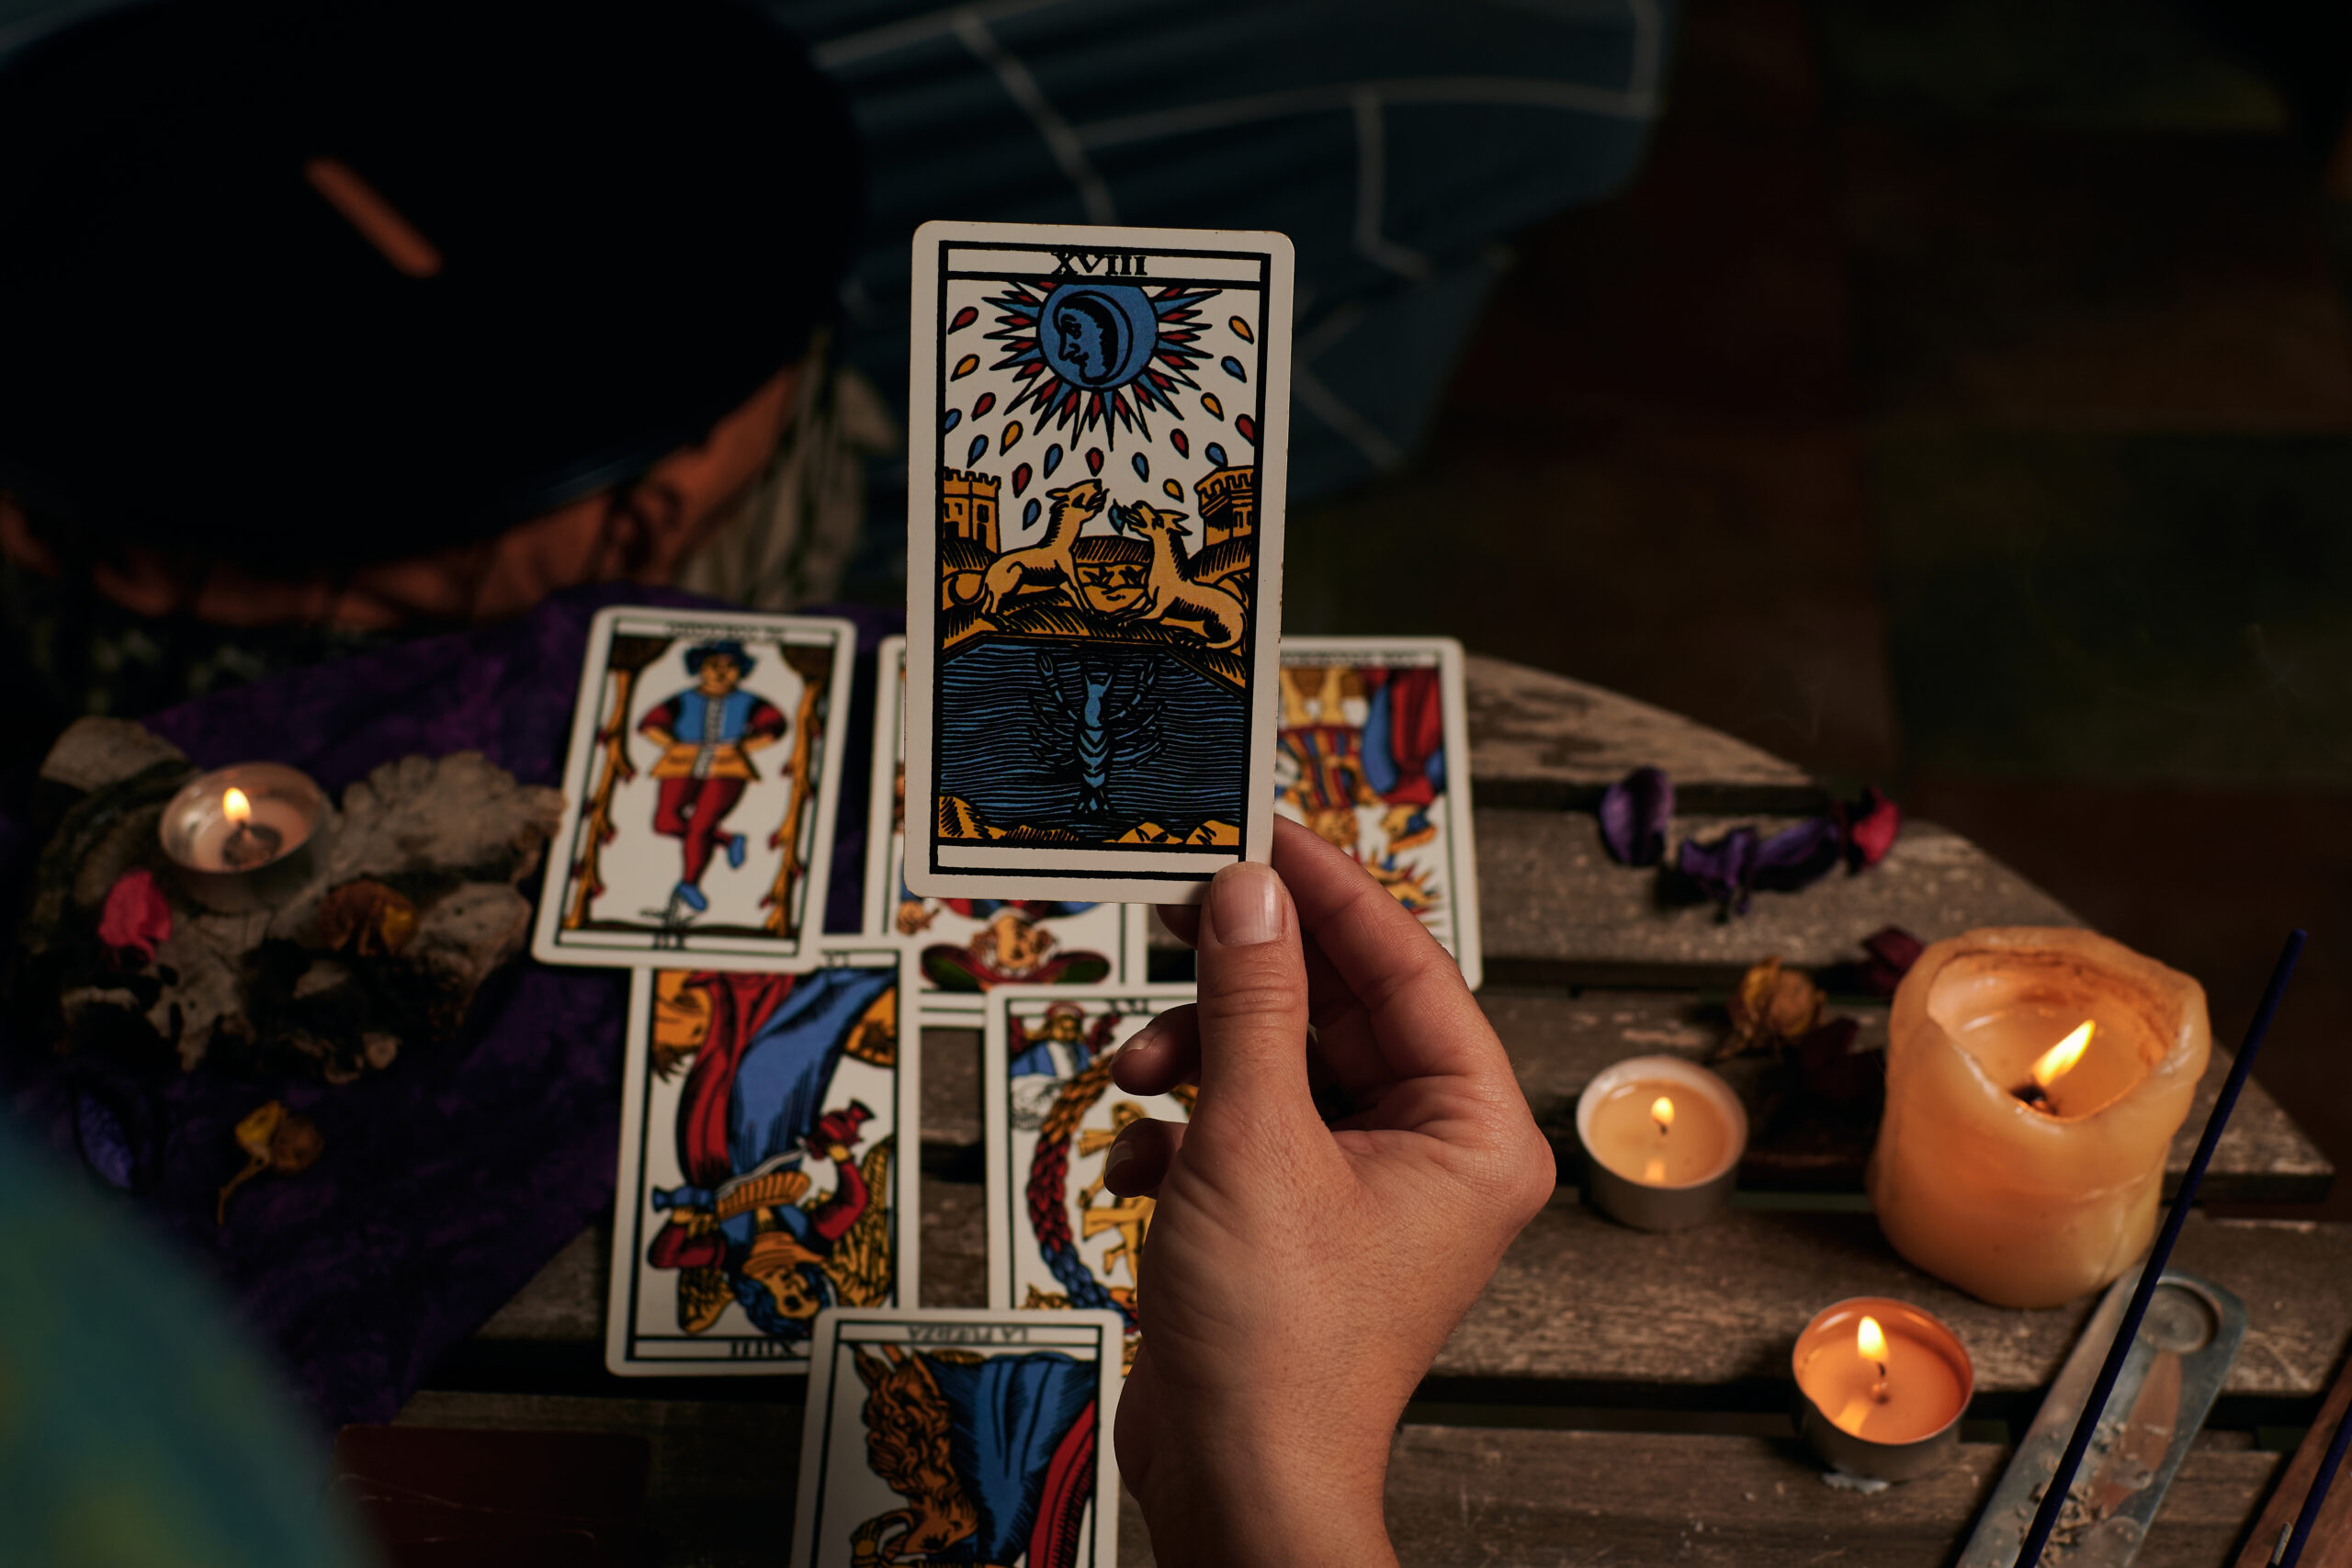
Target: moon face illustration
x=1098, y=335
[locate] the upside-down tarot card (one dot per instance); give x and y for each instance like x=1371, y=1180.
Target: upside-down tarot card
x=1094, y=558
x=767, y=1166
x=699, y=792
x=966, y=947
x=959, y=1437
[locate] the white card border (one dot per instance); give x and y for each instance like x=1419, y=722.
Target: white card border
x=816, y=1418
x=580, y=748
x=1096, y=876
x=628, y=1241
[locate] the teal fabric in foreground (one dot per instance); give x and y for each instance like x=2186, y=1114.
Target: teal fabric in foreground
x=135, y=1429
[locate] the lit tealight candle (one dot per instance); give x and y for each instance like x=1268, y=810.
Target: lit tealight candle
x=1662, y=1138
x=236, y=830
x=1882, y=1386
x=2034, y=1081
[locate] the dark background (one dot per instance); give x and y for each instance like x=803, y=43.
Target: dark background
x=1957, y=397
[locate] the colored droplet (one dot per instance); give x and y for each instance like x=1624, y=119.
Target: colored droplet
x=955, y=417
x=1029, y=514
x=979, y=446
x=971, y=362
x=1175, y=492
x=1094, y=459
x=967, y=316
x=1248, y=426
x=1143, y=466
x=988, y=401
x=1053, y=458
x=1021, y=478
x=1229, y=364
x=1216, y=453
x=1240, y=328
x=1011, y=433
x=1182, y=442
x=1208, y=401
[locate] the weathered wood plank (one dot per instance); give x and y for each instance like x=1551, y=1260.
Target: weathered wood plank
x=2329, y=1545
x=1554, y=909
x=721, y=1491
x=1558, y=1040
x=1583, y=1301
x=1545, y=741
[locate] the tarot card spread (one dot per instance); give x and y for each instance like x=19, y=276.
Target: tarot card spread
x=964, y=947
x=767, y=1162
x=1094, y=558
x=699, y=792
x=1058, y=1238
x=959, y=1437
x=1374, y=755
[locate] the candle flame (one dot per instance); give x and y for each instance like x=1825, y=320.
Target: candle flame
x=2052, y=1064
x=235, y=806
x=1870, y=1341
x=1662, y=1112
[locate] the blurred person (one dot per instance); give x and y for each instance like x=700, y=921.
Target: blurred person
x=330, y=324
x=136, y=1428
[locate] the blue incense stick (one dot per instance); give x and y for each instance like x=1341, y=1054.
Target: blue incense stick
x=2152, y=1273
x=2318, y=1493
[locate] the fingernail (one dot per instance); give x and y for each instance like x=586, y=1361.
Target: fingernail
x=1121, y=1153
x=1246, y=903
x=1144, y=1041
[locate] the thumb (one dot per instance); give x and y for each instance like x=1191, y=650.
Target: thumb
x=1253, y=995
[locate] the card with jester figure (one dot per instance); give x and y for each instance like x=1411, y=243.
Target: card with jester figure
x=1057, y=1237
x=1093, y=559
x=966, y=947
x=767, y=1166
x=1374, y=754
x=959, y=1437
x=699, y=792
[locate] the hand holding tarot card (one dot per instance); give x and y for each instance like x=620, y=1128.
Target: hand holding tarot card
x=1094, y=558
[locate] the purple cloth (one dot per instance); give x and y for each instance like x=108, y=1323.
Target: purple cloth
x=451, y=1178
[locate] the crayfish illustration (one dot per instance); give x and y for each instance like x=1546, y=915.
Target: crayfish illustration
x=1099, y=715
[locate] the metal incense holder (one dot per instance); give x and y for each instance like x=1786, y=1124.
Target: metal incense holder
x=2167, y=1384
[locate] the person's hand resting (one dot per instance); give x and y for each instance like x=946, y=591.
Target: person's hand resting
x=1298, y=1278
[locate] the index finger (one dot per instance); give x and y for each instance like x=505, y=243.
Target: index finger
x=1419, y=1014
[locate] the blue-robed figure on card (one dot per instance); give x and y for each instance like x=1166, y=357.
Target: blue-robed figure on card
x=754, y=1112
x=993, y=1454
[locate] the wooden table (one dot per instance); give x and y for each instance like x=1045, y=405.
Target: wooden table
x=1615, y=1397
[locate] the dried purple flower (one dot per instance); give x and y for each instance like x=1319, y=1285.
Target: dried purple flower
x=1741, y=861
x=1633, y=817
x=1724, y=869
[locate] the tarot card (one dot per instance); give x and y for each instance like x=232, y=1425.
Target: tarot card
x=1057, y=1237
x=699, y=793
x=768, y=1169
x=1374, y=755
x=965, y=947
x=1094, y=558
x=959, y=1437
